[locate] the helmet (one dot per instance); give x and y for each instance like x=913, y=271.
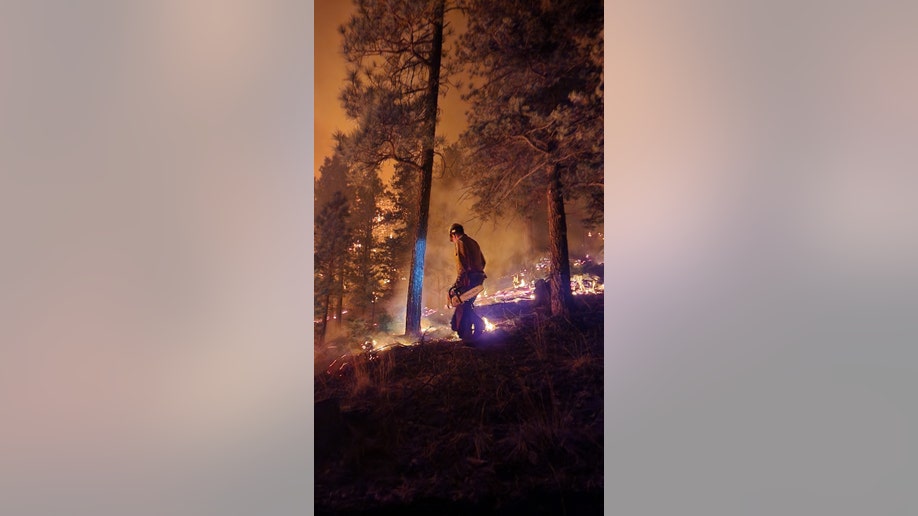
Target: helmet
x=456, y=229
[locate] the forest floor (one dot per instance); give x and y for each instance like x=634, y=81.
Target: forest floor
x=511, y=425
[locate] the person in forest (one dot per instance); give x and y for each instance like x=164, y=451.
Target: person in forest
x=470, y=263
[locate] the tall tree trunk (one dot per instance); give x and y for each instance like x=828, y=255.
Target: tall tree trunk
x=557, y=245
x=325, y=318
x=416, y=279
x=368, y=279
x=339, y=303
x=373, y=314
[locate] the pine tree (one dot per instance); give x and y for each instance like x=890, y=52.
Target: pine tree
x=371, y=273
x=394, y=50
x=405, y=200
x=386, y=254
x=332, y=239
x=356, y=225
x=332, y=178
x=535, y=113
x=332, y=188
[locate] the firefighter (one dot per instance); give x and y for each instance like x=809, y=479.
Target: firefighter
x=470, y=265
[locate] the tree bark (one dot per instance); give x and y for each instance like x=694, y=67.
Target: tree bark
x=367, y=268
x=339, y=305
x=560, y=277
x=416, y=278
x=325, y=320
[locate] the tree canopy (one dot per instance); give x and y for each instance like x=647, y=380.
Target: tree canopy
x=535, y=113
x=394, y=49
x=535, y=99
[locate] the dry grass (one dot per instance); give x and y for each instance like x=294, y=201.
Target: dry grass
x=518, y=418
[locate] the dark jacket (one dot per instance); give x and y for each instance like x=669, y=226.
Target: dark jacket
x=470, y=263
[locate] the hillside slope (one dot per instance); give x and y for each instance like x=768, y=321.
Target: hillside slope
x=512, y=425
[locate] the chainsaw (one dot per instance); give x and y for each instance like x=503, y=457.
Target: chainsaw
x=455, y=298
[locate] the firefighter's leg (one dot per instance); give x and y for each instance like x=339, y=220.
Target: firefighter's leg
x=476, y=321
x=465, y=320
x=472, y=325
x=458, y=321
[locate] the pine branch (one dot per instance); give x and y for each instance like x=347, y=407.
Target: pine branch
x=532, y=144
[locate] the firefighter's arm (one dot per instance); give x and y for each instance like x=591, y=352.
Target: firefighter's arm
x=463, y=263
x=460, y=280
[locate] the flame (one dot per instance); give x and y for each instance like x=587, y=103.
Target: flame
x=488, y=325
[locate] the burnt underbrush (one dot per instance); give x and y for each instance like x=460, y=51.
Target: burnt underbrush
x=513, y=423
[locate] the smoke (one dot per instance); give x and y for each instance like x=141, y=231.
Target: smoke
x=509, y=244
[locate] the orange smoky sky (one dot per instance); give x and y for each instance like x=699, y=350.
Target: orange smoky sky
x=331, y=72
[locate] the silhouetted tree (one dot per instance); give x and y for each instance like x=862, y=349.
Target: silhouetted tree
x=332, y=239
x=373, y=220
x=394, y=50
x=355, y=225
x=332, y=178
x=535, y=114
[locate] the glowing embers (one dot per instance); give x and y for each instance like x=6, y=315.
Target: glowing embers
x=586, y=284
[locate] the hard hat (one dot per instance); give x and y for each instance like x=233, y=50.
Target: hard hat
x=456, y=229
